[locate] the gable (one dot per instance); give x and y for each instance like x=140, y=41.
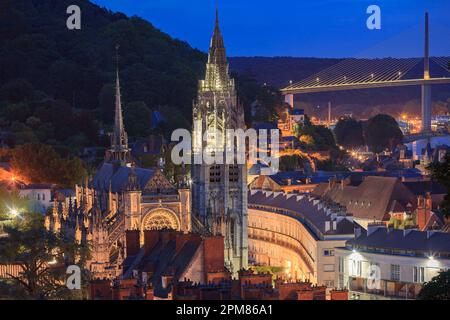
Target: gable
x=158, y=183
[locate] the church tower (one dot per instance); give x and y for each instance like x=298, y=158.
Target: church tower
x=118, y=153
x=219, y=191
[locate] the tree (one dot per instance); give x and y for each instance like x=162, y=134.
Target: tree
x=382, y=132
x=436, y=289
x=307, y=140
x=322, y=136
x=106, y=101
x=349, y=132
x=40, y=163
x=9, y=200
x=16, y=90
x=43, y=258
x=291, y=163
x=440, y=172
x=137, y=118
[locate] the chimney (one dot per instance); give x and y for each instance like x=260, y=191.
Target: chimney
x=132, y=242
x=419, y=201
x=214, y=254
x=151, y=238
x=423, y=212
x=428, y=201
x=334, y=225
x=327, y=226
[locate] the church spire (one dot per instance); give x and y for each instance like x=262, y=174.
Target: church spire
x=120, y=139
x=217, y=53
x=217, y=68
x=119, y=151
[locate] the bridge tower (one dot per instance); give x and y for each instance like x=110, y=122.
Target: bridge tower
x=426, y=88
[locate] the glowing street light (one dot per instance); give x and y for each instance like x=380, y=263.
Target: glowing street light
x=14, y=212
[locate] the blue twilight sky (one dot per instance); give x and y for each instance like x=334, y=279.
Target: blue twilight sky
x=318, y=28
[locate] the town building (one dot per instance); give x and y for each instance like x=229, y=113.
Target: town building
x=40, y=195
x=292, y=118
x=387, y=263
x=297, y=232
x=376, y=198
x=287, y=181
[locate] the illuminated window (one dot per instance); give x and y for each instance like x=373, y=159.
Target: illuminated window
x=395, y=272
x=341, y=265
x=328, y=267
x=419, y=274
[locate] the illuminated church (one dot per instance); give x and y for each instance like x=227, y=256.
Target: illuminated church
x=219, y=192
x=123, y=197
x=120, y=197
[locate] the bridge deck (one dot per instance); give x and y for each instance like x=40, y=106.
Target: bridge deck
x=364, y=85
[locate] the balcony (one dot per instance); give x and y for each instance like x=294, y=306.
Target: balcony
x=388, y=290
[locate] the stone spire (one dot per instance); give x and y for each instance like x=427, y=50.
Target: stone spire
x=119, y=151
x=217, y=53
x=217, y=67
x=120, y=138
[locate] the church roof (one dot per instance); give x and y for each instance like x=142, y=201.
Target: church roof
x=118, y=178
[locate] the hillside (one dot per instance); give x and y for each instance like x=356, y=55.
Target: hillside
x=56, y=84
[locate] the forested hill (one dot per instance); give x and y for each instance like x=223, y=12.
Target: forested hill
x=41, y=61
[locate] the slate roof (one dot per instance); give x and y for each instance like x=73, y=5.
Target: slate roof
x=37, y=186
x=289, y=138
x=413, y=240
x=356, y=178
x=118, y=178
x=151, y=145
x=372, y=199
x=296, y=112
x=255, y=169
x=421, y=187
x=306, y=212
x=297, y=177
x=164, y=259
x=266, y=126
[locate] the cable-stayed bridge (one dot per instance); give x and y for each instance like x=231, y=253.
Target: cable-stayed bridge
x=352, y=74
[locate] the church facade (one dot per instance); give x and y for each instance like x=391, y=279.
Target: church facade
x=219, y=191
x=121, y=196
